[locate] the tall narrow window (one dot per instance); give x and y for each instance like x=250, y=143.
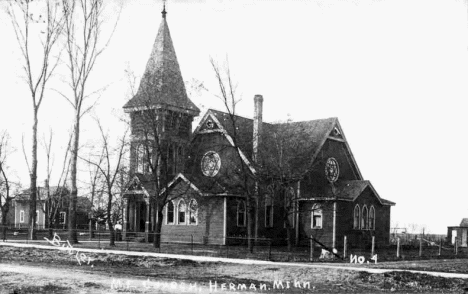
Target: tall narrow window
x=372, y=218
x=181, y=209
x=139, y=158
x=268, y=211
x=193, y=212
x=170, y=213
x=357, y=216
x=170, y=159
x=37, y=217
x=241, y=214
x=365, y=219
x=316, y=218
x=62, y=217
x=22, y=216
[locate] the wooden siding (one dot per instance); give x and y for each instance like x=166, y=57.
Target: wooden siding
x=362, y=237
x=208, y=230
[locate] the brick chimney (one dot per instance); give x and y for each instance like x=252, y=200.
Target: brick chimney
x=257, y=125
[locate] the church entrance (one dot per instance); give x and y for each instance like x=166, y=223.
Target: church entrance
x=136, y=213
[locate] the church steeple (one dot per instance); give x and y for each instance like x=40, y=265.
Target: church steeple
x=162, y=85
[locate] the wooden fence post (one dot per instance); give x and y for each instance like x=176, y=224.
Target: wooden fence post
x=311, y=249
x=345, y=246
x=373, y=246
x=440, y=247
x=398, y=248
x=456, y=246
x=420, y=246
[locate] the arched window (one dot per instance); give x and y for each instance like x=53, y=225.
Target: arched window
x=193, y=212
x=170, y=213
x=357, y=216
x=181, y=209
x=364, y=219
x=141, y=158
x=372, y=218
x=268, y=211
x=241, y=214
x=316, y=217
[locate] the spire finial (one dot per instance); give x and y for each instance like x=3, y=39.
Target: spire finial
x=164, y=9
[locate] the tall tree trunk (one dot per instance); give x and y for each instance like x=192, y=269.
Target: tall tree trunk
x=109, y=220
x=72, y=236
x=33, y=186
x=5, y=209
x=157, y=231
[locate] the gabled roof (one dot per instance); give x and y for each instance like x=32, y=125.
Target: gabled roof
x=207, y=186
x=162, y=84
x=25, y=194
x=309, y=136
x=140, y=184
x=243, y=132
x=350, y=191
x=242, y=138
x=312, y=135
x=464, y=222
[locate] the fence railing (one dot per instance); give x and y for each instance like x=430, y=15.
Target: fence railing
x=311, y=250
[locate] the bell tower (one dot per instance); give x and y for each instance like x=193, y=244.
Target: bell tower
x=161, y=113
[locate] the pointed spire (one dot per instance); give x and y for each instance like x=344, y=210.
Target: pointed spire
x=163, y=12
x=162, y=83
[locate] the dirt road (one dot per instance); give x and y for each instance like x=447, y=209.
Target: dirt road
x=36, y=270
x=17, y=278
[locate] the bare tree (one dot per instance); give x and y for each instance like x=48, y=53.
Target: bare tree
x=94, y=184
x=84, y=45
x=38, y=68
x=5, y=183
x=110, y=174
x=54, y=195
x=228, y=96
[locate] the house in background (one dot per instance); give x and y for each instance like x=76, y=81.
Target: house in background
x=207, y=193
x=60, y=197
x=10, y=220
x=458, y=234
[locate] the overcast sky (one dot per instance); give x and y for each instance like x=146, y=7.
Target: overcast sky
x=394, y=72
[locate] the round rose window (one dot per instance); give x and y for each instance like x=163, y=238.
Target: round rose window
x=332, y=170
x=210, y=164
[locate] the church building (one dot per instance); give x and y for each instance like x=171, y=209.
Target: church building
x=292, y=180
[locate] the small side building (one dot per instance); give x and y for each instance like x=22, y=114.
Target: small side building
x=458, y=234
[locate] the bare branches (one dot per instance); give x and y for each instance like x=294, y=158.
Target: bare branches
x=5, y=181
x=82, y=32
x=22, y=18
x=109, y=172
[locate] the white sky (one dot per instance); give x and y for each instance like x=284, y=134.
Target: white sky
x=394, y=72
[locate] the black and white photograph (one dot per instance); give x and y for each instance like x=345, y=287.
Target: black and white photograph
x=221, y=146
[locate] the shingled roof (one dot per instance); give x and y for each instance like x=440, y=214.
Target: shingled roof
x=464, y=222
x=162, y=83
x=350, y=190
x=307, y=138
x=310, y=135
x=25, y=194
x=244, y=129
